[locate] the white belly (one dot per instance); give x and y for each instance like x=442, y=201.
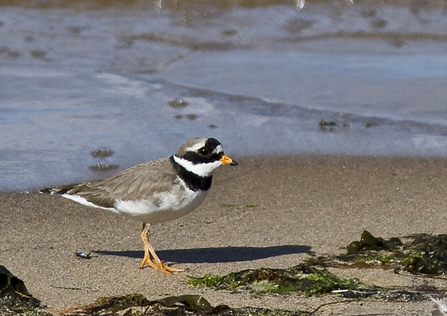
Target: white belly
x=171, y=206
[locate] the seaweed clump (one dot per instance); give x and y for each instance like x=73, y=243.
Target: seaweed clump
x=302, y=278
x=369, y=242
x=427, y=254
x=422, y=253
x=191, y=305
x=14, y=297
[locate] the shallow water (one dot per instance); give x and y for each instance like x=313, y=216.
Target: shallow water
x=140, y=78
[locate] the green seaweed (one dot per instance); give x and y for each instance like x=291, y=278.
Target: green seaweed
x=307, y=279
x=9, y=283
x=137, y=304
x=11, y=304
x=302, y=278
x=14, y=297
x=369, y=242
x=118, y=303
x=264, y=286
x=423, y=253
x=107, y=305
x=208, y=280
x=372, y=258
x=327, y=282
x=427, y=254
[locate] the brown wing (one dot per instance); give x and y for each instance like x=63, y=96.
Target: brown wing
x=142, y=181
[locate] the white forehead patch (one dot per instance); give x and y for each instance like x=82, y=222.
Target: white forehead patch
x=196, y=146
x=200, y=169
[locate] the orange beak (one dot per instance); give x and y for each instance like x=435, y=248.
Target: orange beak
x=228, y=161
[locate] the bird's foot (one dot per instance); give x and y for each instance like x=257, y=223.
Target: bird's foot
x=160, y=266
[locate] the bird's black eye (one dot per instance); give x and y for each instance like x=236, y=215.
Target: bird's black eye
x=204, y=151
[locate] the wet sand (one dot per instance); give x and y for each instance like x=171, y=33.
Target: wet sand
x=267, y=212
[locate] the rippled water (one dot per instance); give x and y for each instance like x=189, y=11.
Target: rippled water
x=140, y=78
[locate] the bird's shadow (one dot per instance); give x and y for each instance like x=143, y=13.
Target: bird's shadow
x=216, y=255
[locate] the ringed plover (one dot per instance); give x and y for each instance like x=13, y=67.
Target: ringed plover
x=155, y=191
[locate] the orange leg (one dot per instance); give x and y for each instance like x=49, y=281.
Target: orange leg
x=149, y=250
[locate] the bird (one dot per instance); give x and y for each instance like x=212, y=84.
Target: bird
x=154, y=191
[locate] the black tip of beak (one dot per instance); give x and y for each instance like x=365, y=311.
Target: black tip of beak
x=233, y=163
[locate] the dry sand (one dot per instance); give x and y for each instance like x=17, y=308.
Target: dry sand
x=299, y=205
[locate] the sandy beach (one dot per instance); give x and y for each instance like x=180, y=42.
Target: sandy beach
x=268, y=212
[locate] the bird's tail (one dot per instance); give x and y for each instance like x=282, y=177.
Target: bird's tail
x=58, y=190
